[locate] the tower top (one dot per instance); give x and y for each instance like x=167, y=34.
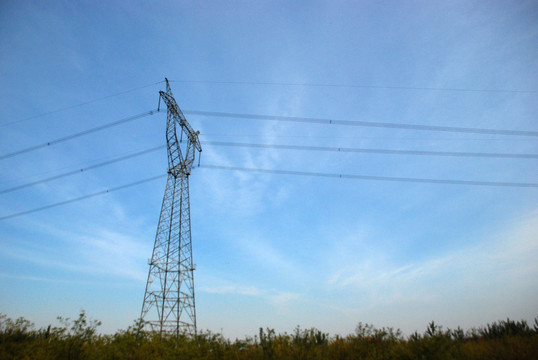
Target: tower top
x=179, y=160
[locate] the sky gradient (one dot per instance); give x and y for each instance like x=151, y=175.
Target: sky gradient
x=274, y=250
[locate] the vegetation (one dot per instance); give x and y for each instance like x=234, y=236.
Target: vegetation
x=79, y=339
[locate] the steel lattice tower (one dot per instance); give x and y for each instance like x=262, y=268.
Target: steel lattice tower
x=169, y=305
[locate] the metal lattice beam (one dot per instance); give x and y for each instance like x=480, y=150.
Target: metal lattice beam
x=169, y=305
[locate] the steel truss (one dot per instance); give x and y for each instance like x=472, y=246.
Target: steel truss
x=169, y=305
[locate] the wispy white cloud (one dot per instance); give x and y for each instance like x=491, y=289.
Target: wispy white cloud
x=500, y=260
x=274, y=297
x=247, y=193
x=100, y=252
x=42, y=279
x=115, y=253
x=37, y=278
x=263, y=252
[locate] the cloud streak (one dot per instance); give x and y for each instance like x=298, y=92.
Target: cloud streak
x=274, y=297
x=103, y=252
x=505, y=260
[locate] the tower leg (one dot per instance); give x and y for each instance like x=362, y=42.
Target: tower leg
x=169, y=305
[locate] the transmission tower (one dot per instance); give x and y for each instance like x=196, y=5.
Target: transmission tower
x=169, y=298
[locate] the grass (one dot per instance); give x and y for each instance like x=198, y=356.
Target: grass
x=79, y=339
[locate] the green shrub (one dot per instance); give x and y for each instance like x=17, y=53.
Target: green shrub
x=79, y=339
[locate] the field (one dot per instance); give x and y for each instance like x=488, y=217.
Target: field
x=79, y=339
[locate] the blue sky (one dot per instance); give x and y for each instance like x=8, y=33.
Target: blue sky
x=274, y=250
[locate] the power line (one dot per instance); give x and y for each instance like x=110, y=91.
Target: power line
x=355, y=137
x=280, y=147
x=363, y=86
x=274, y=84
x=364, y=123
x=79, y=104
x=283, y=118
x=285, y=172
x=76, y=166
x=78, y=171
x=296, y=119
x=82, y=197
x=82, y=133
x=375, y=178
x=374, y=151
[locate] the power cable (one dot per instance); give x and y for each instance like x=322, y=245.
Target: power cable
x=352, y=137
x=82, y=197
x=269, y=83
x=69, y=173
x=280, y=147
x=375, y=178
x=373, y=151
x=285, y=118
x=285, y=172
x=364, y=123
x=79, y=104
x=82, y=133
x=355, y=86
x=76, y=166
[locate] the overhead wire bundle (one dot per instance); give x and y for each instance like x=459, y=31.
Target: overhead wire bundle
x=310, y=120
